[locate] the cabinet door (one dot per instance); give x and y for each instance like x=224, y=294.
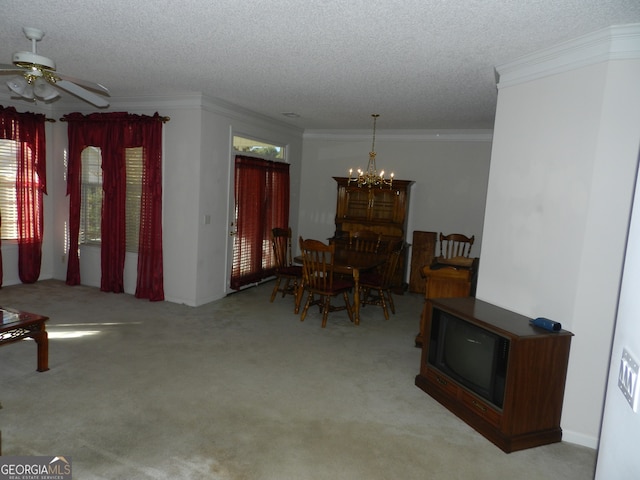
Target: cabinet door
x=383, y=205
x=358, y=203
x=379, y=209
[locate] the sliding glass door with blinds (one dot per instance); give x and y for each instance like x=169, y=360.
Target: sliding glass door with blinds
x=261, y=204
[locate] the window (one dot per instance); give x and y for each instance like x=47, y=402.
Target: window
x=134, y=196
x=129, y=144
x=8, y=205
x=91, y=193
x=257, y=148
x=8, y=188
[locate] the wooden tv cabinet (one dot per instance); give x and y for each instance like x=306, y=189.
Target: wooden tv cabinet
x=535, y=379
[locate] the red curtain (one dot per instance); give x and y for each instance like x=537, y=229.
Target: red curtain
x=28, y=130
x=262, y=202
x=113, y=133
x=150, y=272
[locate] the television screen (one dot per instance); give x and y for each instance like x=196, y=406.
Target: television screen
x=470, y=354
x=473, y=356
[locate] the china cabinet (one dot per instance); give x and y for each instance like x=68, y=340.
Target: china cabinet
x=379, y=209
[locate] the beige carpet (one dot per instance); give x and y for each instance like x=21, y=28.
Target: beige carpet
x=239, y=389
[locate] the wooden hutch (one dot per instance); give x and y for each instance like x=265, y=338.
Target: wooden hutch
x=379, y=209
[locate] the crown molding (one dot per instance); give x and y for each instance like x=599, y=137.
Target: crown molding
x=618, y=42
x=230, y=110
x=402, y=135
x=186, y=101
x=68, y=103
x=198, y=101
x=156, y=103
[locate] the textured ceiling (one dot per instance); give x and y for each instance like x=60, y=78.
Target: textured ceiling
x=420, y=64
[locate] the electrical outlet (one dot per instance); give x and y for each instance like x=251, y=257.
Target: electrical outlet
x=628, y=379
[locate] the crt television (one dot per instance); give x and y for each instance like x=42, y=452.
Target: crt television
x=472, y=356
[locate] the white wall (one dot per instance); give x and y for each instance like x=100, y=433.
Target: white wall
x=560, y=188
x=449, y=170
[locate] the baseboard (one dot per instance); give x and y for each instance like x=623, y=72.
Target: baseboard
x=579, y=439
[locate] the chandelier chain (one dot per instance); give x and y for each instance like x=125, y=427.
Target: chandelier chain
x=373, y=143
x=370, y=177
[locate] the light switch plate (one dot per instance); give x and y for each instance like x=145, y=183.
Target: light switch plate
x=628, y=379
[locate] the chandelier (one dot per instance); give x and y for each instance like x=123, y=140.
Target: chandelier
x=370, y=177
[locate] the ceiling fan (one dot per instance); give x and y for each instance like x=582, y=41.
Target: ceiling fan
x=35, y=77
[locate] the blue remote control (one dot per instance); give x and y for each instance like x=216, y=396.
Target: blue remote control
x=546, y=324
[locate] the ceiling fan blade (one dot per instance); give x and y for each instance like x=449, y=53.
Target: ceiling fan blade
x=85, y=84
x=81, y=92
x=6, y=68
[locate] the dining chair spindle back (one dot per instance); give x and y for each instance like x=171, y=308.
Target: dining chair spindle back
x=320, y=282
x=286, y=271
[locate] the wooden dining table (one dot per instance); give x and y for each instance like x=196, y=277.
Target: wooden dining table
x=348, y=262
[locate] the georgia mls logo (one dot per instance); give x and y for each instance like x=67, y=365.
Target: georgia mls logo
x=60, y=466
x=35, y=468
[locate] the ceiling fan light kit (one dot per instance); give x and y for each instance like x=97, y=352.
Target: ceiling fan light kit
x=42, y=89
x=20, y=86
x=37, y=78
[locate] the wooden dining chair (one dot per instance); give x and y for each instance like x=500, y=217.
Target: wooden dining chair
x=286, y=271
x=364, y=241
x=455, y=245
x=375, y=287
x=320, y=281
